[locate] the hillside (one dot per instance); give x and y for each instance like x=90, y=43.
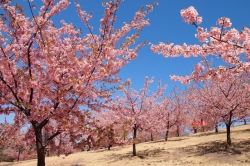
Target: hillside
x=197, y=149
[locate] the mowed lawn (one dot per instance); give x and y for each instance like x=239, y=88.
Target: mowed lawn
x=198, y=149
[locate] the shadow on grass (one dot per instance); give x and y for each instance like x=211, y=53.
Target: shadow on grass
x=173, y=140
x=112, y=149
x=220, y=132
x=207, y=134
x=238, y=147
x=163, y=140
x=142, y=154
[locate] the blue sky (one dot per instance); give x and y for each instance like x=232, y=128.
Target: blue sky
x=166, y=26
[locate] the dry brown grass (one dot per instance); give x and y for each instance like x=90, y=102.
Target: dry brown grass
x=197, y=149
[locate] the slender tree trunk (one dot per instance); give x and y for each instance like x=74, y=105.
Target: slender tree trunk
x=19, y=151
x=178, y=131
x=134, y=149
x=166, y=136
x=40, y=148
x=216, y=129
x=168, y=126
x=59, y=146
x=151, y=136
x=89, y=147
x=111, y=137
x=202, y=125
x=134, y=137
x=228, y=134
x=245, y=122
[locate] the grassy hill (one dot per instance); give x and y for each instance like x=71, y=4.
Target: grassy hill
x=198, y=149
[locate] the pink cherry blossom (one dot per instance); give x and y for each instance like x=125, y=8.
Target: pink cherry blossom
x=229, y=45
x=224, y=22
x=48, y=73
x=190, y=15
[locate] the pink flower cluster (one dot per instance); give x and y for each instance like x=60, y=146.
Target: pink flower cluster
x=83, y=14
x=190, y=15
x=202, y=34
x=224, y=22
x=230, y=45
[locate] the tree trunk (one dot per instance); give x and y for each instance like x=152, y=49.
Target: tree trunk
x=134, y=149
x=168, y=126
x=216, y=129
x=40, y=148
x=202, y=125
x=228, y=125
x=109, y=147
x=245, y=122
x=166, y=136
x=178, y=131
x=134, y=137
x=59, y=146
x=19, y=151
x=151, y=136
x=228, y=134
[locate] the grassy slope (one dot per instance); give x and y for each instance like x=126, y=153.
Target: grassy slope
x=197, y=149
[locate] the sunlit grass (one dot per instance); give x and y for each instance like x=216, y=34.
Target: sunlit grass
x=197, y=149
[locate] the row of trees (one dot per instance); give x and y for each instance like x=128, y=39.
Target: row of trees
x=139, y=116
x=51, y=79
x=211, y=103
x=13, y=145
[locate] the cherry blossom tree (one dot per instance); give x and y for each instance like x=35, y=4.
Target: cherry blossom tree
x=108, y=131
x=152, y=125
x=167, y=114
x=227, y=101
x=4, y=128
x=173, y=109
x=228, y=44
x=47, y=72
x=197, y=110
x=18, y=148
x=13, y=144
x=134, y=108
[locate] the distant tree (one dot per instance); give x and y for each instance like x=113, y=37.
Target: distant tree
x=134, y=108
x=226, y=102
